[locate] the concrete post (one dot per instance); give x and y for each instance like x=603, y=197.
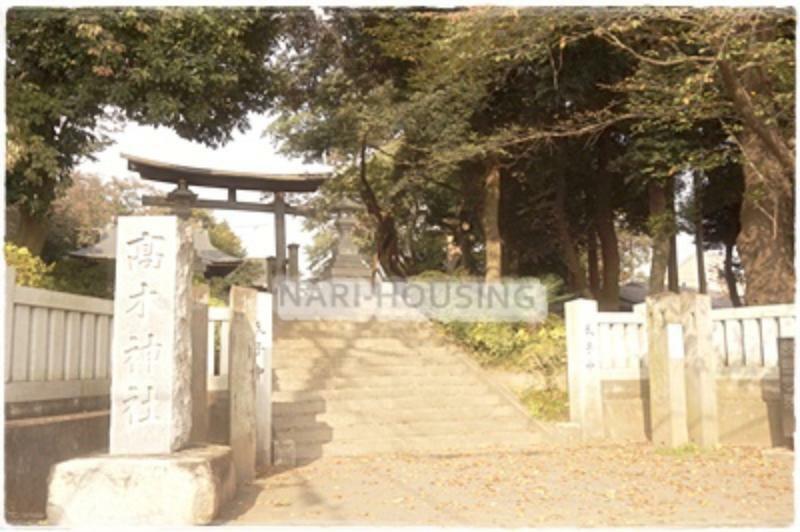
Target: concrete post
x=294, y=261
x=271, y=273
x=280, y=235
x=701, y=371
x=11, y=283
x=585, y=386
x=666, y=367
x=786, y=356
x=264, y=380
x=200, y=363
x=242, y=382
x=640, y=311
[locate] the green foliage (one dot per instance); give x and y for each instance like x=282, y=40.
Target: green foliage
x=247, y=273
x=216, y=302
x=31, y=270
x=78, y=276
x=220, y=234
x=199, y=71
x=550, y=404
x=539, y=348
x=557, y=96
x=412, y=106
x=68, y=275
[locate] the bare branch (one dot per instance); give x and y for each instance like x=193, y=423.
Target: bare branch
x=615, y=41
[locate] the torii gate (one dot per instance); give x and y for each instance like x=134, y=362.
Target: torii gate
x=182, y=199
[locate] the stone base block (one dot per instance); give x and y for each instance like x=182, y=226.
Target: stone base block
x=184, y=488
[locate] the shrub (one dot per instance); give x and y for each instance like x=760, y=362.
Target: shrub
x=549, y=405
x=216, y=302
x=537, y=348
x=67, y=275
x=78, y=276
x=31, y=270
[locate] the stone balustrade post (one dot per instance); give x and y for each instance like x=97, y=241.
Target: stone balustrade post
x=701, y=370
x=583, y=368
x=666, y=366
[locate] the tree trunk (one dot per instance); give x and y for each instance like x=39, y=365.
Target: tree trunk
x=491, y=223
x=730, y=278
x=609, y=247
x=594, y=269
x=766, y=217
x=657, y=202
x=765, y=243
x=465, y=244
x=386, y=236
x=510, y=262
x=673, y=283
x=702, y=285
x=576, y=276
x=26, y=230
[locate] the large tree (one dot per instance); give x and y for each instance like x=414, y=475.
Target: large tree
x=704, y=69
x=72, y=73
x=347, y=79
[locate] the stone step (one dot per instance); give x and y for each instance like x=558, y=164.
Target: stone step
x=437, y=444
x=300, y=358
x=468, y=427
x=286, y=405
x=350, y=327
x=371, y=385
x=346, y=390
x=344, y=419
x=380, y=344
x=320, y=374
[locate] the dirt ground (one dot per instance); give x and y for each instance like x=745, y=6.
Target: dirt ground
x=584, y=486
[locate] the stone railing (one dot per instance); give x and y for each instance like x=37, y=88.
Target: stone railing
x=57, y=345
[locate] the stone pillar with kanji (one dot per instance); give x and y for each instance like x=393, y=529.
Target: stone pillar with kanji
x=151, y=410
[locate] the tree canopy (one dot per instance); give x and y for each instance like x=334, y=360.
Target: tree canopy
x=484, y=141
x=532, y=137
x=72, y=73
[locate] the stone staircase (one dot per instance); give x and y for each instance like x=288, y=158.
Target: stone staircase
x=348, y=388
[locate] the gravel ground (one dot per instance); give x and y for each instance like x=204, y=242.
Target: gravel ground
x=584, y=486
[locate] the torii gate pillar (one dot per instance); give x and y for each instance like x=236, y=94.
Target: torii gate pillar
x=280, y=234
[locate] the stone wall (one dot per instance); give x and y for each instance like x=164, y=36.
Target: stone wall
x=34, y=445
x=749, y=411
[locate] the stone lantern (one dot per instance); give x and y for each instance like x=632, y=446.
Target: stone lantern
x=347, y=262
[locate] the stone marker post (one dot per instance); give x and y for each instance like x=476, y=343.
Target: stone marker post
x=151, y=363
x=242, y=382
x=701, y=370
x=583, y=367
x=150, y=476
x=667, y=373
x=199, y=363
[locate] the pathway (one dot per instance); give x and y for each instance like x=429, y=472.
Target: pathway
x=585, y=486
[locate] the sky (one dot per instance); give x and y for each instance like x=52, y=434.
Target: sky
x=252, y=151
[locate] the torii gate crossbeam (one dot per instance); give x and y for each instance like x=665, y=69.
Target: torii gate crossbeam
x=182, y=199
